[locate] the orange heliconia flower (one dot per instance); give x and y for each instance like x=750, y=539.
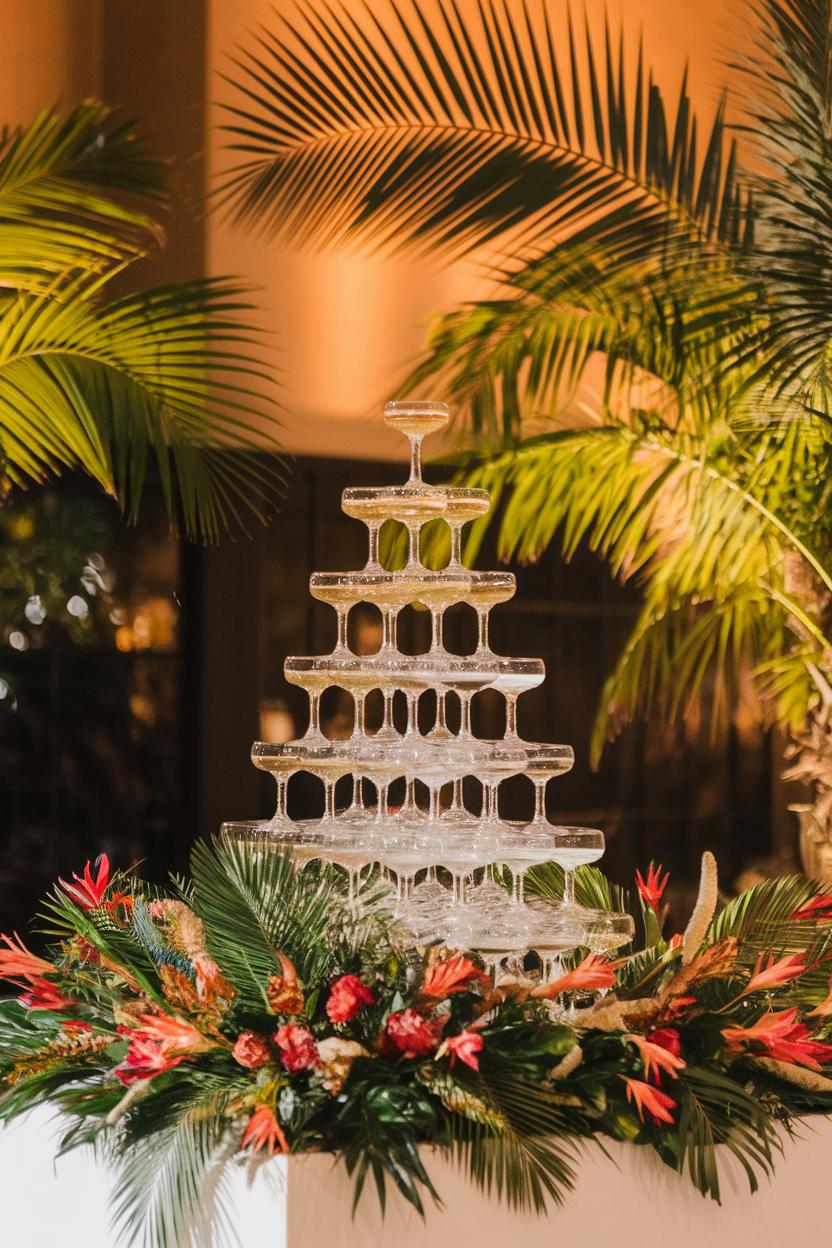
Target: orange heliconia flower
x=264, y=1131
x=18, y=962
x=781, y=1036
x=772, y=973
x=648, y=1099
x=656, y=1057
x=593, y=972
x=442, y=979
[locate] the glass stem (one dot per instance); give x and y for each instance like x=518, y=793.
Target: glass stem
x=373, y=527
x=436, y=617
x=482, y=627
x=568, y=887
x=343, y=614
x=415, y=459
x=511, y=714
x=314, y=713
x=540, y=801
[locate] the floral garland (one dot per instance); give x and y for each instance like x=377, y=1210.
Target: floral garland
x=247, y=1012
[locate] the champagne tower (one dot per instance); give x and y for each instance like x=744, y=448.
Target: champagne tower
x=432, y=838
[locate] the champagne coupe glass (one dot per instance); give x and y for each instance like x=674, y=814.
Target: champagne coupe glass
x=461, y=506
x=416, y=419
x=342, y=593
x=575, y=847
x=487, y=590
x=607, y=933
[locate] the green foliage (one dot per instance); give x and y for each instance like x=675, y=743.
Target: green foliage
x=170, y=377
x=181, y=1024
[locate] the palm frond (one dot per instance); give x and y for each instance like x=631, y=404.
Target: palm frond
x=174, y=375
x=430, y=124
x=71, y=189
x=715, y=1110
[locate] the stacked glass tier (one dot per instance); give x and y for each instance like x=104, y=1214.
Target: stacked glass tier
x=432, y=836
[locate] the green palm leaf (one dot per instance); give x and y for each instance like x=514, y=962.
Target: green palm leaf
x=71, y=190
x=454, y=128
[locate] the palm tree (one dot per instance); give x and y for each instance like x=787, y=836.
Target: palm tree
x=696, y=271
x=173, y=376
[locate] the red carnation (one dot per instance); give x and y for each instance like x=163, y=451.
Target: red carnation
x=411, y=1034
x=347, y=997
x=298, y=1050
x=250, y=1050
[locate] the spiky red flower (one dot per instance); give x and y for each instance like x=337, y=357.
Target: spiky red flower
x=87, y=892
x=18, y=962
x=264, y=1131
x=652, y=888
x=818, y=908
x=778, y=1034
x=159, y=1043
x=772, y=974
x=650, y=1100
x=41, y=995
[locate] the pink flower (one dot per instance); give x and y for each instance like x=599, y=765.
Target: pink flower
x=592, y=972
x=657, y=1057
x=87, y=892
x=774, y=973
x=251, y=1050
x=651, y=1100
x=298, y=1050
x=780, y=1036
x=465, y=1046
x=411, y=1034
x=347, y=997
x=652, y=888
x=264, y=1131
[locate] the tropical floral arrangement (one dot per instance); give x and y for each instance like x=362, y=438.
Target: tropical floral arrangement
x=247, y=1011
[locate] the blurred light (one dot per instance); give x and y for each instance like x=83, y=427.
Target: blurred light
x=34, y=610
x=96, y=561
x=18, y=640
x=118, y=615
x=124, y=639
x=142, y=709
x=78, y=607
x=4, y=688
x=276, y=721
x=22, y=528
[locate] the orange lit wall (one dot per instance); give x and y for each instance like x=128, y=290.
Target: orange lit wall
x=347, y=323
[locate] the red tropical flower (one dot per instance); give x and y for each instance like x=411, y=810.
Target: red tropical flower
x=779, y=1035
x=667, y=1038
x=298, y=1050
x=657, y=1058
x=264, y=1131
x=411, y=1034
x=347, y=997
x=652, y=888
x=442, y=979
x=771, y=973
x=593, y=972
x=87, y=892
x=648, y=1099
x=251, y=1050
x=465, y=1046
x=159, y=1043
x=41, y=995
x=819, y=908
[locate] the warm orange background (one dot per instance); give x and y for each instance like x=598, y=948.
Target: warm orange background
x=347, y=322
